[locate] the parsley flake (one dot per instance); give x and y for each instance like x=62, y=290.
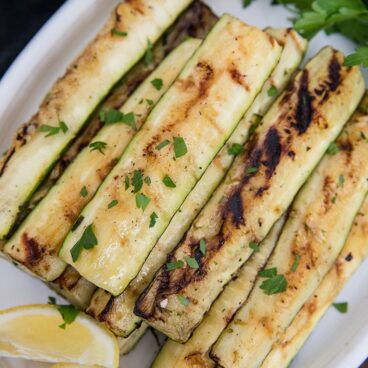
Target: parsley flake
x=147, y=180
x=183, y=300
x=149, y=102
x=174, y=265
x=142, y=201
x=69, y=313
x=252, y=170
x=87, y=241
x=162, y=144
x=341, y=307
x=126, y=181
x=202, y=246
x=272, y=91
x=137, y=181
x=98, y=146
x=153, y=219
x=148, y=56
x=113, y=116
x=180, y=148
x=83, y=192
x=192, y=262
x=235, y=149
x=274, y=285
x=51, y=300
x=157, y=83
x=341, y=180
x=254, y=246
x=113, y=203
x=52, y=130
x=116, y=32
x=332, y=149
x=295, y=265
x=269, y=272
x=168, y=182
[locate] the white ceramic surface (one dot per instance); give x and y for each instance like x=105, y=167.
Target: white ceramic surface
x=339, y=341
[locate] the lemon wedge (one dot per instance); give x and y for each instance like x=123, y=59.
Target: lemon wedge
x=38, y=332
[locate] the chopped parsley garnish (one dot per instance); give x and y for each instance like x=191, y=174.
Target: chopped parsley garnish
x=51, y=300
x=333, y=199
x=126, y=181
x=341, y=180
x=147, y=180
x=113, y=116
x=77, y=223
x=341, y=307
x=157, y=83
x=235, y=149
x=269, y=272
x=254, y=246
x=113, y=203
x=202, y=246
x=84, y=192
x=137, y=181
x=149, y=102
x=360, y=57
x=142, y=201
x=52, y=130
x=333, y=149
x=252, y=170
x=148, y=56
x=116, y=32
x=174, y=265
x=69, y=313
x=274, y=285
x=162, y=144
x=183, y=300
x=272, y=91
x=191, y=262
x=180, y=148
x=98, y=146
x=153, y=219
x=295, y=265
x=246, y=3
x=87, y=241
x=256, y=121
x=168, y=182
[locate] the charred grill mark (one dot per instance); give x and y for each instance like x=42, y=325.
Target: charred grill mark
x=6, y=160
x=273, y=150
x=347, y=147
x=207, y=73
x=304, y=109
x=234, y=208
x=33, y=250
x=349, y=257
x=103, y=316
x=239, y=78
x=334, y=69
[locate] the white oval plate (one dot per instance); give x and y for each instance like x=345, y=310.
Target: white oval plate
x=339, y=341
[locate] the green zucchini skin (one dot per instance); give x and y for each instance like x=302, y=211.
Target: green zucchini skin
x=75, y=96
x=259, y=187
x=36, y=242
x=203, y=107
x=195, y=352
x=118, y=312
x=318, y=226
x=127, y=344
x=353, y=253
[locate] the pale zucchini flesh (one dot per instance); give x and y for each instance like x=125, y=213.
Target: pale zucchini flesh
x=118, y=312
x=259, y=187
x=127, y=344
x=37, y=241
x=353, y=253
x=202, y=107
x=195, y=352
x=318, y=225
x=75, y=96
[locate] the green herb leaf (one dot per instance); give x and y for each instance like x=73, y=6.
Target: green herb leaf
x=137, y=181
x=192, y=262
x=295, y=265
x=87, y=241
x=269, y=272
x=274, y=285
x=333, y=199
x=64, y=128
x=126, y=181
x=256, y=121
x=52, y=130
x=83, y=192
x=77, y=223
x=149, y=102
x=252, y=170
x=180, y=148
x=113, y=203
x=202, y=246
x=236, y=149
x=254, y=246
x=272, y=91
x=333, y=149
x=98, y=146
x=147, y=180
x=360, y=57
x=162, y=144
x=341, y=307
x=183, y=300
x=116, y=32
x=69, y=313
x=157, y=83
x=51, y=300
x=113, y=116
x=129, y=119
x=153, y=219
x=168, y=182
x=341, y=180
x=246, y=3
x=142, y=201
x=174, y=265
x=148, y=56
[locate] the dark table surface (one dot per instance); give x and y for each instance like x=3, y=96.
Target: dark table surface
x=19, y=21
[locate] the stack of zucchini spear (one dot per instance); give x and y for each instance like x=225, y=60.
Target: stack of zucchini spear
x=184, y=175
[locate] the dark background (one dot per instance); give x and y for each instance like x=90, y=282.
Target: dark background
x=19, y=21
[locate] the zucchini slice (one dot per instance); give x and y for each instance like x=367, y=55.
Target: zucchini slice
x=196, y=116
x=127, y=344
x=118, y=312
x=353, y=253
x=313, y=236
x=76, y=95
x=36, y=242
x=195, y=352
x=261, y=184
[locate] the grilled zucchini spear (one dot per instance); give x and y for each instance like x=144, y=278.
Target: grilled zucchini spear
x=37, y=241
x=195, y=352
x=295, y=133
x=318, y=225
x=353, y=253
x=117, y=312
x=122, y=42
x=170, y=153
